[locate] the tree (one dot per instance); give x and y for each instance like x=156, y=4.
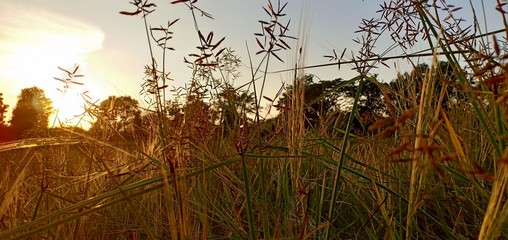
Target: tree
x=407, y=86
x=336, y=96
x=234, y=105
x=30, y=117
x=3, y=110
x=117, y=116
x=320, y=99
x=3, y=125
x=371, y=105
x=198, y=117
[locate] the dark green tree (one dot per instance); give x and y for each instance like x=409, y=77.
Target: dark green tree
x=371, y=105
x=30, y=117
x=234, y=106
x=407, y=87
x=199, y=117
x=320, y=99
x=4, y=131
x=3, y=110
x=336, y=96
x=117, y=117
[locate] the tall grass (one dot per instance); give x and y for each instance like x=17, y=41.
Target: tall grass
x=430, y=168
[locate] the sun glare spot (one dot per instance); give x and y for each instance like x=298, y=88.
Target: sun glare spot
x=69, y=109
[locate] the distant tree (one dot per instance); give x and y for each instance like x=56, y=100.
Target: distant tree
x=30, y=117
x=174, y=112
x=371, y=105
x=234, y=105
x=198, y=117
x=4, y=133
x=3, y=110
x=66, y=131
x=117, y=117
x=320, y=99
x=407, y=86
x=336, y=96
x=153, y=121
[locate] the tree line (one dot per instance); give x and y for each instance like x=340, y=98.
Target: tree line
x=120, y=117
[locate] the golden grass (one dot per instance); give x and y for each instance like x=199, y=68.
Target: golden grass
x=426, y=171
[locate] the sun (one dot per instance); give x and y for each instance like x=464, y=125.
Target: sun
x=70, y=102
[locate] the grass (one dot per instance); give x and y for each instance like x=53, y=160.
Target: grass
x=426, y=170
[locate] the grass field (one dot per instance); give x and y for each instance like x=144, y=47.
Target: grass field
x=426, y=170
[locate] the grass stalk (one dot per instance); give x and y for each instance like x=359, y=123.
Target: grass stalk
x=248, y=198
x=419, y=164
x=431, y=166
x=340, y=162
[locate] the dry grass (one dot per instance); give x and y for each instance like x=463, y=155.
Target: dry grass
x=428, y=170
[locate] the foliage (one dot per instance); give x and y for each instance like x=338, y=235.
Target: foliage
x=30, y=117
x=327, y=99
x=3, y=111
x=234, y=106
x=409, y=84
x=371, y=105
x=117, y=117
x=3, y=123
x=198, y=118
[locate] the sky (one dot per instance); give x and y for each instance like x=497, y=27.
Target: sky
x=38, y=36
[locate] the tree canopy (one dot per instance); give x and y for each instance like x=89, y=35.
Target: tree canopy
x=117, y=116
x=326, y=98
x=3, y=110
x=30, y=117
x=407, y=86
x=234, y=105
x=3, y=123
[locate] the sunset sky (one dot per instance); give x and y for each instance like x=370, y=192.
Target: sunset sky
x=37, y=36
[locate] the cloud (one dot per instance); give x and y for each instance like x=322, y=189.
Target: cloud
x=25, y=26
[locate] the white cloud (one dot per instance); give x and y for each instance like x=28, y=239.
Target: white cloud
x=25, y=26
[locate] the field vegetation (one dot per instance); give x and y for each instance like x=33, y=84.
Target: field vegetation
x=421, y=156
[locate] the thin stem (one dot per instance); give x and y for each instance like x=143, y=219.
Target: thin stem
x=340, y=163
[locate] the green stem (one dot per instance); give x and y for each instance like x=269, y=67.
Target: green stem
x=248, y=196
x=340, y=163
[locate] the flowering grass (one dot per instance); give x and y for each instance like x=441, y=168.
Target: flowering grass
x=433, y=167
